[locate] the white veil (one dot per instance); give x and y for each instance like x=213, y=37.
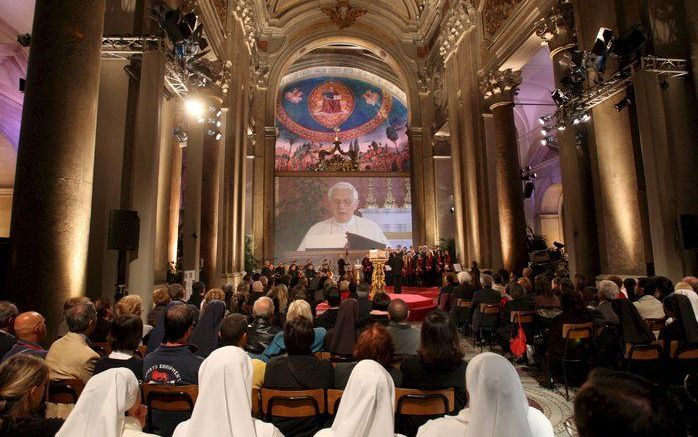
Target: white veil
x=223, y=406
x=102, y=405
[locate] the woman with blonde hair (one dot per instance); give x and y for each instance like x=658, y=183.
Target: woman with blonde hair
x=132, y=304
x=23, y=381
x=160, y=300
x=212, y=294
x=297, y=309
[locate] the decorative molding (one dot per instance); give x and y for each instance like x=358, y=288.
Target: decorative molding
x=557, y=28
x=458, y=20
x=343, y=14
x=499, y=87
x=496, y=13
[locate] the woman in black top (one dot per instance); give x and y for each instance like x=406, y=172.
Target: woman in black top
x=438, y=365
x=23, y=381
x=126, y=332
x=299, y=370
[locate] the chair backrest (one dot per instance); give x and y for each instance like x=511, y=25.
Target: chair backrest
x=446, y=301
x=424, y=402
x=655, y=324
x=293, y=403
x=333, y=398
x=684, y=351
x=323, y=355
x=489, y=308
x=462, y=303
x=577, y=330
x=170, y=397
x=65, y=391
x=256, y=403
x=643, y=352
x=522, y=316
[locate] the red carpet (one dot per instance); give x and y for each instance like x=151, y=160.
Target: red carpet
x=421, y=300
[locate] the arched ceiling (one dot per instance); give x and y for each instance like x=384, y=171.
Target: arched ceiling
x=407, y=9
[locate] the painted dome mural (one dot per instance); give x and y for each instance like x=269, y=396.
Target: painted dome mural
x=312, y=112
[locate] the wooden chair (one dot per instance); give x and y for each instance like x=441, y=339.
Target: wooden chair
x=293, y=403
x=180, y=398
x=571, y=331
x=655, y=324
x=415, y=402
x=256, y=403
x=642, y=353
x=464, y=306
x=489, y=311
x=323, y=355
x=66, y=391
x=333, y=398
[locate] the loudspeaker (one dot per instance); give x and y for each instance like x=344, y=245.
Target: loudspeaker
x=124, y=229
x=689, y=230
x=528, y=190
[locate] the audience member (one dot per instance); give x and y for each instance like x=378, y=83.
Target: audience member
x=622, y=404
x=132, y=304
x=198, y=289
x=634, y=330
x=126, y=332
x=233, y=332
x=663, y=287
x=8, y=312
x=328, y=319
x=160, y=300
x=629, y=285
x=379, y=311
x=438, y=364
x=279, y=295
x=604, y=314
x=647, y=305
x=212, y=295
x=687, y=290
x=450, y=283
x=340, y=340
x=519, y=302
x=683, y=326
x=71, y=357
x=488, y=296
x=527, y=285
x=205, y=335
x=298, y=370
x=405, y=338
x=373, y=344
x=544, y=296
x=497, y=405
x=30, y=329
x=223, y=406
x=174, y=362
x=367, y=406
x=464, y=290
x=109, y=406
x=362, y=292
x=298, y=308
x=104, y=315
x=573, y=312
x=261, y=331
x=23, y=381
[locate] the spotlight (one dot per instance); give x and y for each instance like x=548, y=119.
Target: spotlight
x=561, y=127
x=194, y=107
x=576, y=121
x=559, y=246
x=24, y=40
x=214, y=121
x=544, y=119
x=452, y=209
x=559, y=97
x=586, y=117
x=545, y=131
x=630, y=43
x=216, y=111
x=180, y=134
x=604, y=39
x=622, y=104
x=215, y=134
x=547, y=140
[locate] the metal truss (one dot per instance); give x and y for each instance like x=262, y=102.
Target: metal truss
x=664, y=66
x=174, y=82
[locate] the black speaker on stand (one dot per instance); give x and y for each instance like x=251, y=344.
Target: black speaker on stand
x=689, y=230
x=124, y=233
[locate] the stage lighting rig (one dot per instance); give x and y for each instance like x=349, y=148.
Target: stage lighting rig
x=622, y=104
x=180, y=134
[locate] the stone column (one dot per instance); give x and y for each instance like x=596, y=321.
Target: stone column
x=175, y=199
x=53, y=184
x=581, y=239
x=258, y=172
x=431, y=231
x=193, y=162
x=417, y=183
x=210, y=188
x=498, y=89
x=269, y=190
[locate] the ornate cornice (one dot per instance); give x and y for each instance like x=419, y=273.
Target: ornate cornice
x=557, y=28
x=458, y=20
x=496, y=13
x=246, y=12
x=343, y=14
x=499, y=87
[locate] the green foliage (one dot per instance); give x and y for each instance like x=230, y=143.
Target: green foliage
x=448, y=244
x=251, y=263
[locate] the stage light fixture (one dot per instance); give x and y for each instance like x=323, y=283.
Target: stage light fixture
x=545, y=119
x=586, y=117
x=215, y=133
x=547, y=140
x=216, y=111
x=215, y=122
x=561, y=127
x=576, y=121
x=180, y=134
x=622, y=104
x=545, y=131
x=194, y=107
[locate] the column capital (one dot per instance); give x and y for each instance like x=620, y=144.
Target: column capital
x=499, y=87
x=557, y=29
x=414, y=133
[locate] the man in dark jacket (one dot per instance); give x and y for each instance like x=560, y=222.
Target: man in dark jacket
x=329, y=317
x=405, y=338
x=8, y=312
x=261, y=331
x=486, y=295
x=396, y=264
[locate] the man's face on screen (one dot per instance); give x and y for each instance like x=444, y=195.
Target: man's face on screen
x=342, y=205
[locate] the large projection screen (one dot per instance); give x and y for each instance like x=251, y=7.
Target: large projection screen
x=311, y=225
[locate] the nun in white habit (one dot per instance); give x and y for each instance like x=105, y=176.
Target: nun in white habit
x=497, y=405
x=103, y=405
x=366, y=408
x=224, y=404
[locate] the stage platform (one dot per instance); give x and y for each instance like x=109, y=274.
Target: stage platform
x=421, y=300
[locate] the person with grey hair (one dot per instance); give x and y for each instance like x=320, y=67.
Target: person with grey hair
x=604, y=314
x=8, y=312
x=71, y=357
x=487, y=296
x=331, y=232
x=261, y=331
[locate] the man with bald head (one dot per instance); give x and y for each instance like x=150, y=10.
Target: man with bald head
x=30, y=330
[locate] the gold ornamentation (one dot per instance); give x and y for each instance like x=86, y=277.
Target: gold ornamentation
x=407, y=203
x=389, y=198
x=370, y=197
x=337, y=161
x=500, y=87
x=496, y=13
x=343, y=14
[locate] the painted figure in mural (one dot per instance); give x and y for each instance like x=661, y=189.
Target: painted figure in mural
x=344, y=200
x=331, y=101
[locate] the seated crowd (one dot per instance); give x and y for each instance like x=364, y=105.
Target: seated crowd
x=281, y=332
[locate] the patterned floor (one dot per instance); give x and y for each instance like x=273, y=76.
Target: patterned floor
x=553, y=402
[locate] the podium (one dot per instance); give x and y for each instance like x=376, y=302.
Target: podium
x=378, y=258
